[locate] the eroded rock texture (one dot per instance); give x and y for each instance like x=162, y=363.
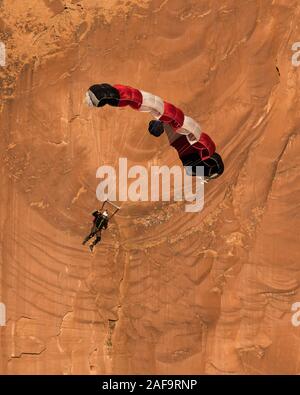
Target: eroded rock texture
x=167, y=292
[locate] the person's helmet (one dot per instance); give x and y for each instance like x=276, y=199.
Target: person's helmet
x=105, y=213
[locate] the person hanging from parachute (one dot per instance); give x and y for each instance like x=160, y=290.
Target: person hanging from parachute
x=100, y=222
x=194, y=148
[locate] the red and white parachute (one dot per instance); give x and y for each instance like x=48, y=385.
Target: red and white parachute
x=194, y=147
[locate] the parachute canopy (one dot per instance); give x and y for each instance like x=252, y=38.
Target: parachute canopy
x=194, y=147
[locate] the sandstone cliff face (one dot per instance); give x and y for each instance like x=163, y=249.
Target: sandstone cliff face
x=167, y=292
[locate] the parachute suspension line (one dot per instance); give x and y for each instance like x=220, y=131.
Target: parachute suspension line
x=116, y=208
x=144, y=135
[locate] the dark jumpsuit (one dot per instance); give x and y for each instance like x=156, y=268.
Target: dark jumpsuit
x=100, y=222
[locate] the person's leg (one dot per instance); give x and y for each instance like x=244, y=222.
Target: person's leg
x=96, y=241
x=87, y=238
x=92, y=234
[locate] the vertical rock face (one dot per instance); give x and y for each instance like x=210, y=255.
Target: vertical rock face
x=167, y=291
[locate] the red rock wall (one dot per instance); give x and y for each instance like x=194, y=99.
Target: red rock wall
x=167, y=291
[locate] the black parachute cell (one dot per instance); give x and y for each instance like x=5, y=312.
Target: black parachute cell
x=156, y=128
x=212, y=166
x=106, y=94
